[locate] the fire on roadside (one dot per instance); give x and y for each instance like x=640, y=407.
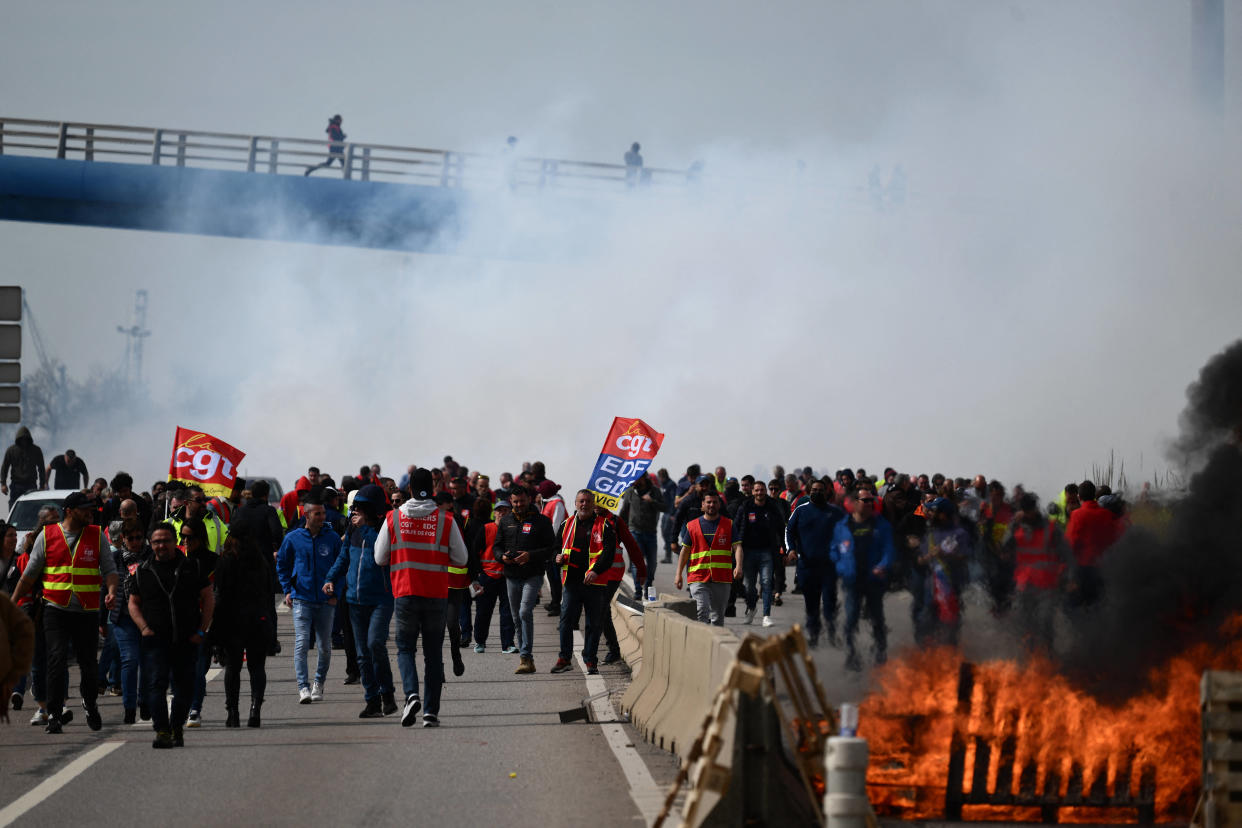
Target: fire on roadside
x=1051, y=726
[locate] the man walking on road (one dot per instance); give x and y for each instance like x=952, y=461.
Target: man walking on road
x=760, y=529
x=73, y=557
x=588, y=546
x=419, y=541
x=524, y=543
x=862, y=548
x=303, y=562
x=24, y=461
x=808, y=537
x=713, y=559
x=172, y=603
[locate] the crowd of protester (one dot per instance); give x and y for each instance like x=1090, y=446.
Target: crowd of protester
x=172, y=580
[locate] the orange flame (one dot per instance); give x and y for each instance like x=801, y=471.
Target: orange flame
x=1050, y=725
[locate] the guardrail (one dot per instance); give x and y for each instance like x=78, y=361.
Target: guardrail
x=273, y=155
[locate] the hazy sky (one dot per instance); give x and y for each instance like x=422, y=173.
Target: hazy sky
x=1067, y=263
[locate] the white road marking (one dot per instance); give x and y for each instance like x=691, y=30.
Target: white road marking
x=55, y=782
x=646, y=794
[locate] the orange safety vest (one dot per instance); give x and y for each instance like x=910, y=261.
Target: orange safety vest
x=492, y=568
x=594, y=548
x=711, y=561
x=68, y=573
x=419, y=561
x=549, y=508
x=1036, y=564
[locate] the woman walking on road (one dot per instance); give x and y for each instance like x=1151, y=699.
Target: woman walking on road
x=243, y=610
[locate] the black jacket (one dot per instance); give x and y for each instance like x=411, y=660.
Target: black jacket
x=24, y=460
x=532, y=533
x=258, y=521
x=243, y=595
x=759, y=527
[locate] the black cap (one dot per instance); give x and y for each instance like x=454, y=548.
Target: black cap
x=77, y=500
x=421, y=484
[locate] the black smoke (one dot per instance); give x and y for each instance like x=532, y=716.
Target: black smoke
x=1173, y=587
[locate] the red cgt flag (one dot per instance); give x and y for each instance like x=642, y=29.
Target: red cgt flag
x=199, y=459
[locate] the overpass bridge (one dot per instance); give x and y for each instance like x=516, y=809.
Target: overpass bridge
x=254, y=186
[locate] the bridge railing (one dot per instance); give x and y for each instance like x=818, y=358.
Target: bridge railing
x=272, y=155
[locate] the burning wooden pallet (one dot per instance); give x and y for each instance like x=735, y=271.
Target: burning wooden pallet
x=1221, y=697
x=1016, y=785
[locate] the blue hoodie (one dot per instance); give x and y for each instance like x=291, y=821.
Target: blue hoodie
x=303, y=563
x=809, y=531
x=881, y=552
x=368, y=582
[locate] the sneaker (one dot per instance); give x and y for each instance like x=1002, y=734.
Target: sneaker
x=316, y=693
x=592, y=668
x=304, y=696
x=767, y=621
x=431, y=720
x=527, y=666
x=478, y=648
x=93, y=719
x=776, y=599
x=195, y=719
x=163, y=740
x=412, y=706
x=389, y=701
x=39, y=718
x=373, y=710
x=352, y=678
x=612, y=658
x=562, y=665
x=66, y=716
x=459, y=667
x=730, y=611
x=750, y=616
x=53, y=726
x=510, y=650
x=114, y=690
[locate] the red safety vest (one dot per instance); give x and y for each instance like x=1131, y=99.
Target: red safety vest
x=549, y=508
x=222, y=508
x=594, y=548
x=419, y=561
x=1036, y=564
x=711, y=561
x=492, y=568
x=625, y=540
x=68, y=573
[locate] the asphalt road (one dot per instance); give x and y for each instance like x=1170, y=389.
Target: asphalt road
x=311, y=762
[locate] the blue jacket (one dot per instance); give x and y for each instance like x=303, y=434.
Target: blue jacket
x=368, y=582
x=809, y=531
x=303, y=563
x=882, y=552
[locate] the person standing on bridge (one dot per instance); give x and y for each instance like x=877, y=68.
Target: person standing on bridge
x=336, y=145
x=419, y=542
x=633, y=165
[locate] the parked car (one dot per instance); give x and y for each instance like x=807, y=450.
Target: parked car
x=25, y=512
x=276, y=492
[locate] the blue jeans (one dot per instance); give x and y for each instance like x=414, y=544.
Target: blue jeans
x=129, y=642
x=421, y=616
x=757, y=564
x=305, y=616
x=371, y=640
x=819, y=585
x=522, y=595
x=650, y=546
x=109, y=660
x=574, y=599
x=160, y=661
x=493, y=588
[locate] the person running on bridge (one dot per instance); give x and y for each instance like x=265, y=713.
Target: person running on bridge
x=420, y=541
x=336, y=145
